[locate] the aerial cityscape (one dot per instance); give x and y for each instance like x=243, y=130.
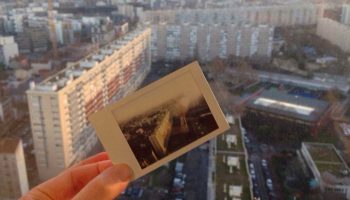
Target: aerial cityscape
x=280, y=70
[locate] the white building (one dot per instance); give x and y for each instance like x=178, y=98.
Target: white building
x=335, y=32
x=345, y=16
x=14, y=23
x=8, y=49
x=13, y=174
x=60, y=105
x=274, y=15
x=206, y=42
x=328, y=167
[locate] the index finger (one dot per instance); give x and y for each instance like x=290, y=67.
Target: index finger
x=93, y=159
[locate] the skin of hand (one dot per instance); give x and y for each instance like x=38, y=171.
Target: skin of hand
x=93, y=178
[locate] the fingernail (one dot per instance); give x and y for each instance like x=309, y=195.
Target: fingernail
x=124, y=172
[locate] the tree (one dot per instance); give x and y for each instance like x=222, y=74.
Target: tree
x=217, y=67
x=332, y=95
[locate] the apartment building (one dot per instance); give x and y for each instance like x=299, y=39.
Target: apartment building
x=8, y=49
x=60, y=105
x=13, y=174
x=206, y=42
x=205, y=34
x=335, y=32
x=274, y=15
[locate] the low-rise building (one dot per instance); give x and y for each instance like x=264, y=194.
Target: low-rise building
x=297, y=111
x=328, y=167
x=227, y=178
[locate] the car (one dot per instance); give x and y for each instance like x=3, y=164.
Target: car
x=264, y=163
x=252, y=173
x=178, y=195
x=251, y=165
x=269, y=184
x=246, y=140
x=272, y=194
x=255, y=184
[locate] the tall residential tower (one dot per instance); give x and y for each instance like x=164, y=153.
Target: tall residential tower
x=60, y=105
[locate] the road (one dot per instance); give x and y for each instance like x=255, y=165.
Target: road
x=260, y=179
x=196, y=169
x=257, y=152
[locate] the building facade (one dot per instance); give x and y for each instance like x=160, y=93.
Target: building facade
x=205, y=34
x=274, y=15
x=13, y=174
x=345, y=16
x=206, y=42
x=60, y=105
x=6, y=110
x=34, y=38
x=335, y=32
x=8, y=49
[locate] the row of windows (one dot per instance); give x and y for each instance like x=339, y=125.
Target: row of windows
x=339, y=190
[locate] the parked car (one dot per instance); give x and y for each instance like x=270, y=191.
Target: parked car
x=269, y=184
x=264, y=163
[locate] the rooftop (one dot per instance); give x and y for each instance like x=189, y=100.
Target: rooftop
x=319, y=82
x=329, y=163
x=8, y=145
x=59, y=80
x=231, y=176
x=282, y=103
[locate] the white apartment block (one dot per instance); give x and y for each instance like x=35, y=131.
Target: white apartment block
x=206, y=42
x=345, y=16
x=8, y=49
x=335, y=32
x=204, y=34
x=274, y=15
x=60, y=105
x=13, y=174
x=328, y=167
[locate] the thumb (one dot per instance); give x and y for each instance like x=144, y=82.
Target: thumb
x=108, y=185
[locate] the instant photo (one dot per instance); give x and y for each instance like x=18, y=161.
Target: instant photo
x=161, y=121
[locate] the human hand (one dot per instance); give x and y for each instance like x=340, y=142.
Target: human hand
x=93, y=178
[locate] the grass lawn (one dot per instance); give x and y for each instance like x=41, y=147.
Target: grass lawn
x=331, y=168
x=323, y=153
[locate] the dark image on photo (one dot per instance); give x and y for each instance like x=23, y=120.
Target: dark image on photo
x=167, y=128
